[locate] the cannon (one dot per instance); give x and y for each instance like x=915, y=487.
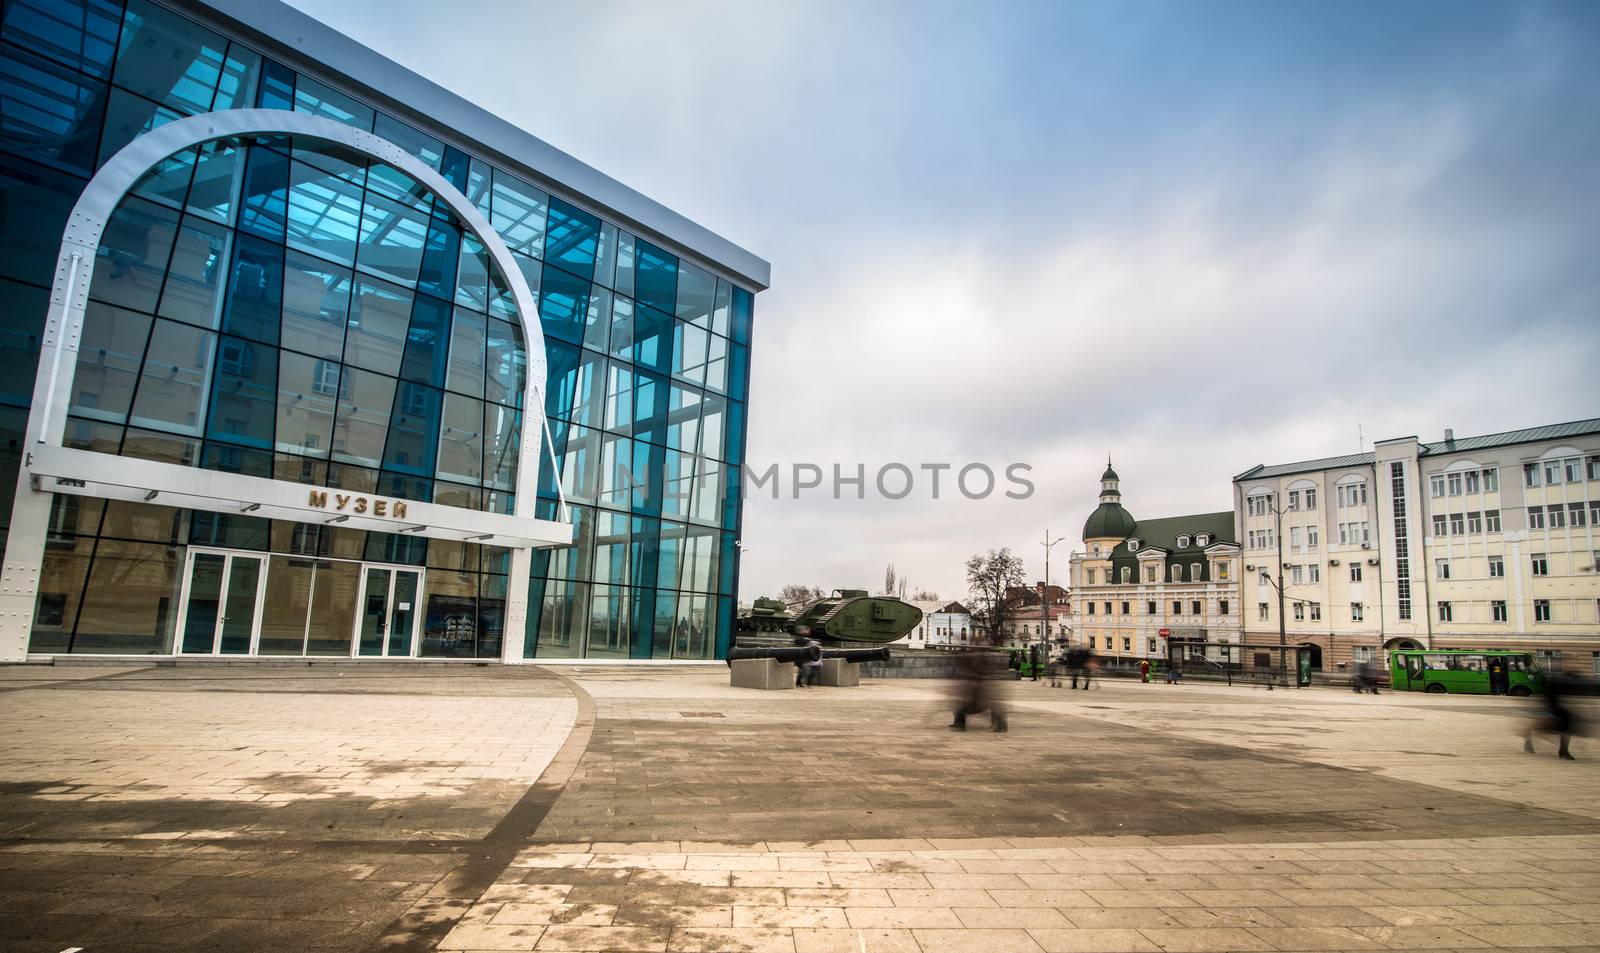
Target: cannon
x=799, y=653
x=859, y=655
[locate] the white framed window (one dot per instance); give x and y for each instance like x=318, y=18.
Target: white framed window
x=1535, y=517
x=1364, y=653
x=1313, y=537
x=1295, y=577
x=1575, y=515
x=1316, y=612
x=1540, y=563
x=1203, y=540
x=1491, y=521
x=1357, y=612
x=1557, y=516
x=1355, y=572
x=1150, y=646
x=1311, y=498
x=1530, y=474
x=1133, y=545
x=1150, y=573
x=1441, y=569
x=1573, y=468
x=1474, y=522
x=1491, y=479
x=1294, y=538
x=1541, y=610
x=1221, y=570
x=1127, y=574
x=1183, y=542
x=1436, y=485
x=1316, y=573
x=1458, y=524
x=1196, y=572
x=1175, y=573
x=1261, y=611
x=1552, y=472
x=1497, y=610
x=1299, y=612
x=1266, y=578
x=1293, y=500
x=1497, y=567
x=1089, y=576
x=1439, y=524
x=1446, y=613
x=1473, y=481
x=1453, y=483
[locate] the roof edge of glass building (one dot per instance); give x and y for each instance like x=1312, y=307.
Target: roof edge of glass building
x=309, y=46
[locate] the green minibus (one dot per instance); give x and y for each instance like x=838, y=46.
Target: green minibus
x=1464, y=672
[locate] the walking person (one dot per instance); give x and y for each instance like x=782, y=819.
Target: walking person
x=1090, y=663
x=974, y=694
x=1144, y=670
x=809, y=672
x=1555, y=716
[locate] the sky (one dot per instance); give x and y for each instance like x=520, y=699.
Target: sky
x=1191, y=236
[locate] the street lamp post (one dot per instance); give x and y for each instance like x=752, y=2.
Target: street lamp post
x=1277, y=530
x=1044, y=603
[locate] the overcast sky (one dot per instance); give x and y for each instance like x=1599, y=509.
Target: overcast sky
x=1196, y=236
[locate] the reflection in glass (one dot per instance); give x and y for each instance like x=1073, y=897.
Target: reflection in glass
x=204, y=602
x=168, y=57
x=245, y=394
x=286, y=603
x=517, y=212
x=216, y=175
x=109, y=354
x=308, y=388
x=572, y=239
x=130, y=604
x=461, y=449
x=506, y=371
x=468, y=343
x=379, y=319
x=239, y=607
x=324, y=213
x=133, y=254
x=172, y=383
x=450, y=626
x=333, y=607
x=361, y=422
x=316, y=306
x=255, y=293
x=392, y=238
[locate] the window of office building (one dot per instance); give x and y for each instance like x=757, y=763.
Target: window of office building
x=1541, y=610
x=1497, y=610
x=1357, y=612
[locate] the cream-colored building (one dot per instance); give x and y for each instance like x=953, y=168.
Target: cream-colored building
x=1138, y=582
x=1481, y=542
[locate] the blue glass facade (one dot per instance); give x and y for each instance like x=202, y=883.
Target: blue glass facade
x=281, y=308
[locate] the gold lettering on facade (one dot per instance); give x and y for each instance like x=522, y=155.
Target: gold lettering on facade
x=361, y=504
x=319, y=498
x=399, y=510
x=394, y=509
x=380, y=507
x=343, y=500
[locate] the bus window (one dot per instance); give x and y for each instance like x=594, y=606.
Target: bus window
x=1437, y=663
x=1414, y=667
x=1471, y=663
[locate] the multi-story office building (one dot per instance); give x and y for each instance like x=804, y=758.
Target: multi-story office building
x=1138, y=582
x=1481, y=542
x=296, y=343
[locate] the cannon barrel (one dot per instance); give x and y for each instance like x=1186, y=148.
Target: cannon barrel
x=799, y=653
x=859, y=655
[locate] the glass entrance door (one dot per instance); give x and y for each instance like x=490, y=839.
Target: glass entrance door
x=387, y=626
x=221, y=603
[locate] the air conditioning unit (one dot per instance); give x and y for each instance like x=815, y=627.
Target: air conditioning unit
x=1333, y=562
x=1366, y=545
x=1249, y=569
x=1372, y=562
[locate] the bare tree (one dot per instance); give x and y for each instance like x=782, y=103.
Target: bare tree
x=989, y=577
x=924, y=595
x=888, y=580
x=800, y=598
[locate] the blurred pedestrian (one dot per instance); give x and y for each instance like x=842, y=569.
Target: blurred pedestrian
x=1555, y=715
x=1144, y=670
x=974, y=694
x=1369, y=676
x=1091, y=662
x=808, y=673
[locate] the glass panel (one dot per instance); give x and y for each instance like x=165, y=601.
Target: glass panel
x=712, y=422
x=133, y=255
x=708, y=493
x=491, y=615
x=264, y=200
x=619, y=398
x=421, y=145
x=656, y=278
x=161, y=447
x=379, y=319
x=588, y=397
x=563, y=304
x=666, y=604
x=307, y=390
x=579, y=454
x=61, y=579
x=218, y=171
x=244, y=395
x=695, y=634
x=172, y=383
x=502, y=444
x=518, y=213
x=403, y=613
x=333, y=607
x=374, y=613
x=316, y=306
x=240, y=73
x=697, y=291
x=441, y=258
x=312, y=97
x=239, y=615
x=48, y=113
x=195, y=273
x=506, y=372
x=563, y=615
x=81, y=34
x=450, y=628
x=255, y=295
x=392, y=238
x=561, y=363
x=168, y=57
x=361, y=422
x=277, y=86
x=720, y=309
x=130, y=604
x=414, y=430
x=287, y=601
x=678, y=485
x=324, y=213
x=23, y=309
x=468, y=342
x=205, y=599
x=610, y=622
x=717, y=364
x=461, y=439
x=38, y=201
x=652, y=340
x=425, y=350
x=605, y=255
x=597, y=321
x=650, y=408
x=166, y=182
x=689, y=353
x=571, y=240
x=683, y=419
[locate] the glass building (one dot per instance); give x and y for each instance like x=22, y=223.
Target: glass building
x=345, y=366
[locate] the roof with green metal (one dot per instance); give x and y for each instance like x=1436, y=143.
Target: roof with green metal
x=1109, y=519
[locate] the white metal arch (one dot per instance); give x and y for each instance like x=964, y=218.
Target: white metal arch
x=46, y=463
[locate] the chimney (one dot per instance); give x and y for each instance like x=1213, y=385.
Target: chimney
x=1449, y=435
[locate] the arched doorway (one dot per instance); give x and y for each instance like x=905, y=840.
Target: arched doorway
x=1315, y=651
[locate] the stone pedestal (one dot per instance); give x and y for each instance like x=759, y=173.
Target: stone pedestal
x=763, y=673
x=837, y=673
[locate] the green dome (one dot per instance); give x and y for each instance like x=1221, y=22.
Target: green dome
x=1110, y=474
x=1109, y=520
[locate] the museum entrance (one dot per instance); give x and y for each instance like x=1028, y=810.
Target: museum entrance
x=221, y=603
x=388, y=621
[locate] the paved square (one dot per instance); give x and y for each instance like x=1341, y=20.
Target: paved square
x=361, y=807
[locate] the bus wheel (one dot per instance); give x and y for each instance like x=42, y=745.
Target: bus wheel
x=1435, y=689
x=1520, y=691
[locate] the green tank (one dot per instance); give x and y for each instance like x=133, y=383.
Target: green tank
x=765, y=615
x=850, y=615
